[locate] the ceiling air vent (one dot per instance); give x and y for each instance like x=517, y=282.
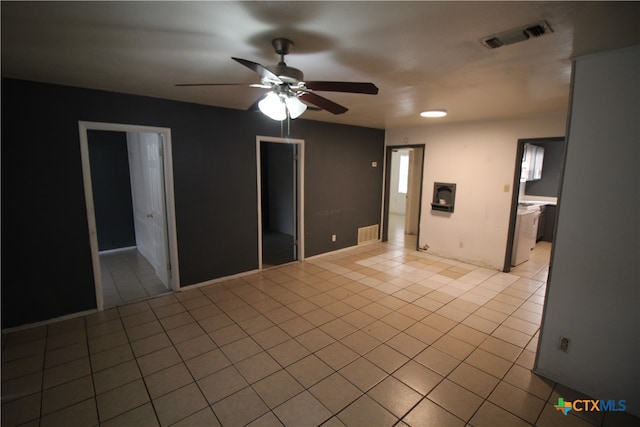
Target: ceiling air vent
x=517, y=35
x=493, y=43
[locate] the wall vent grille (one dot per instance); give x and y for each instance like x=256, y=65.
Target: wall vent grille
x=368, y=234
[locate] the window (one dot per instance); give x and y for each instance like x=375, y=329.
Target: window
x=403, y=174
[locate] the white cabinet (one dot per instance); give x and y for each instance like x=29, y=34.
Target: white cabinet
x=532, y=162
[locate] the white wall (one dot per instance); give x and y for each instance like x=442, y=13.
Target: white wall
x=593, y=295
x=480, y=158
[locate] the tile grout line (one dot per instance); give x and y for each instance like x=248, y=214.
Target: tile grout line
x=135, y=358
x=93, y=383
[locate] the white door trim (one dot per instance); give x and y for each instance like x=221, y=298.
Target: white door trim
x=418, y=174
x=299, y=196
x=83, y=127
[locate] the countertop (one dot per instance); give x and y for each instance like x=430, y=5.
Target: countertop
x=527, y=202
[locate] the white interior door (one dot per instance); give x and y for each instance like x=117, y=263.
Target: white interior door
x=139, y=196
x=147, y=190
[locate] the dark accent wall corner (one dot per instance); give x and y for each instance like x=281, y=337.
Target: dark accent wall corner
x=343, y=191
x=46, y=260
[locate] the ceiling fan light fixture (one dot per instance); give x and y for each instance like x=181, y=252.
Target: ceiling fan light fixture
x=287, y=88
x=273, y=106
x=434, y=113
x=295, y=106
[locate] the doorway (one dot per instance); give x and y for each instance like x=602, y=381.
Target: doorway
x=534, y=205
x=129, y=192
x=403, y=195
x=280, y=200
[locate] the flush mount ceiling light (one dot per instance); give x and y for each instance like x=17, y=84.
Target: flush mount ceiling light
x=434, y=113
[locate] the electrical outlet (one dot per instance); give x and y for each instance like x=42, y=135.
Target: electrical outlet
x=333, y=238
x=563, y=344
x=374, y=164
x=506, y=188
x=461, y=245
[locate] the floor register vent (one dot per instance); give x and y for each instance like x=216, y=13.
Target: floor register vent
x=368, y=234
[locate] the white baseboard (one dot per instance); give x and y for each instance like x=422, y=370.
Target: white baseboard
x=116, y=250
x=218, y=280
x=49, y=321
x=337, y=251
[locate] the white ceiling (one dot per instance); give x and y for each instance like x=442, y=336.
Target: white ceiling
x=420, y=54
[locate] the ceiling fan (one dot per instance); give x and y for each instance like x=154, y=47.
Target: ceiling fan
x=288, y=89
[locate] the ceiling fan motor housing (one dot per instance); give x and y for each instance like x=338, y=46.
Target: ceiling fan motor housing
x=287, y=74
x=281, y=45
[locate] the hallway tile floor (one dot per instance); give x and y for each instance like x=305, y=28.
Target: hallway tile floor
x=376, y=335
x=127, y=276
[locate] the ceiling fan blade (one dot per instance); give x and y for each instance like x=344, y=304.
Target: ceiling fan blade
x=351, y=87
x=323, y=103
x=263, y=71
x=254, y=106
x=211, y=84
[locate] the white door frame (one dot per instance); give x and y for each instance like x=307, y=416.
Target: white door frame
x=84, y=127
x=299, y=192
x=418, y=192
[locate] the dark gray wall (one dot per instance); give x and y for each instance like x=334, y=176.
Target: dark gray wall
x=549, y=184
x=111, y=185
x=342, y=191
x=214, y=158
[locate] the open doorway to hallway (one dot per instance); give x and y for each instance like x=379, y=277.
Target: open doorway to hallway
x=279, y=200
x=403, y=184
x=129, y=194
x=281, y=195
x=127, y=180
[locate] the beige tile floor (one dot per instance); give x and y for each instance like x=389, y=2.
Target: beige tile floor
x=377, y=335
